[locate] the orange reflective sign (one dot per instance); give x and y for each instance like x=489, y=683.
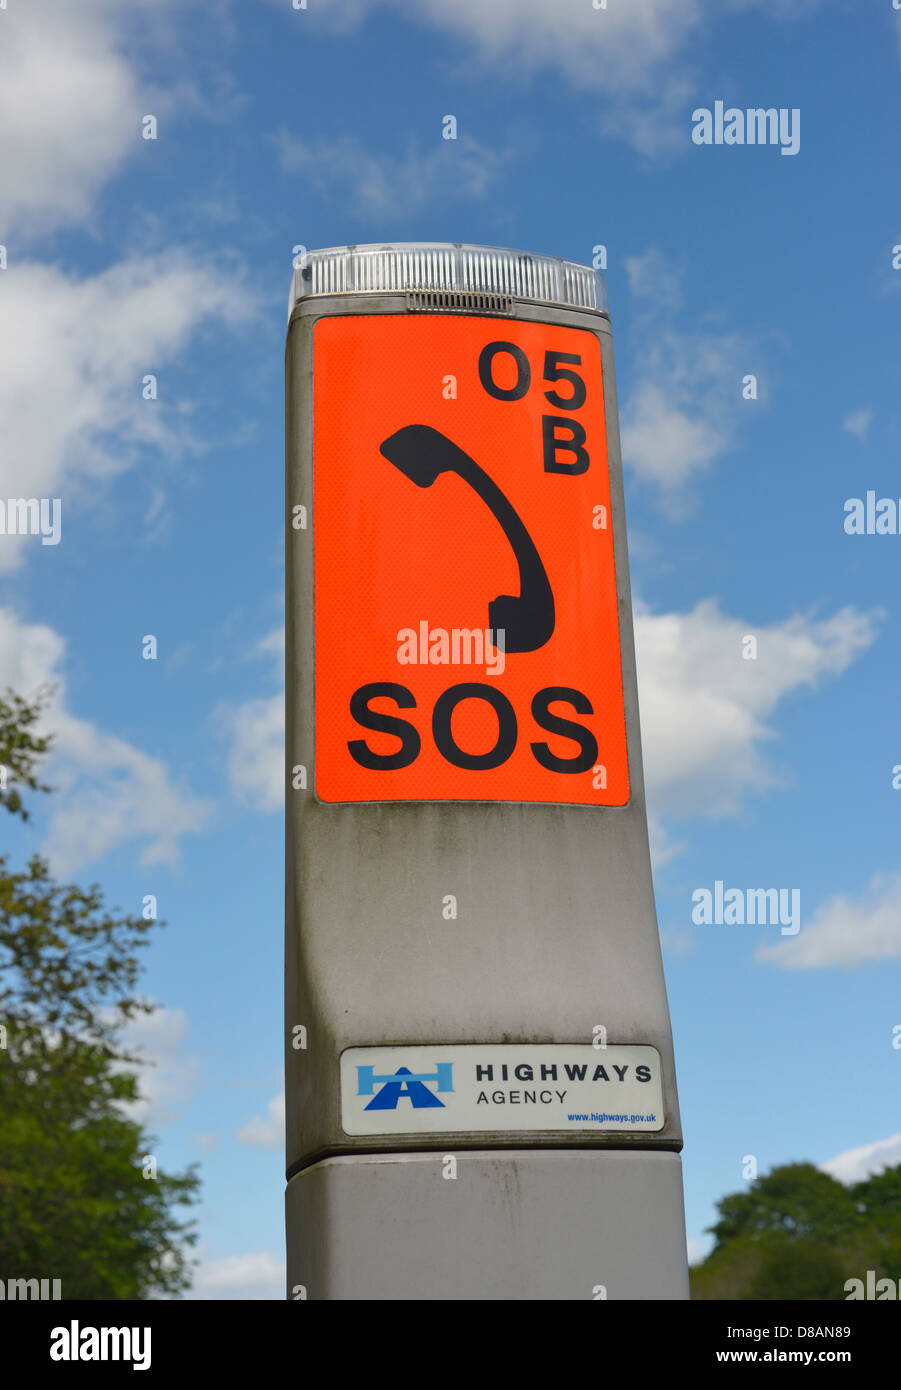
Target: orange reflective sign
x=467, y=638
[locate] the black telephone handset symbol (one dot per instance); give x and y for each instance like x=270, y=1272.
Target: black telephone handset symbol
x=527, y=618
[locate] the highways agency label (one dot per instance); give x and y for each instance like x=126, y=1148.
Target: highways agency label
x=476, y=1088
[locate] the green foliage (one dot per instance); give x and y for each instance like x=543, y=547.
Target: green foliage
x=798, y=1233
x=20, y=747
x=74, y=1203
x=62, y=957
x=797, y=1199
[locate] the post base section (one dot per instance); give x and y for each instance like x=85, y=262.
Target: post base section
x=489, y=1224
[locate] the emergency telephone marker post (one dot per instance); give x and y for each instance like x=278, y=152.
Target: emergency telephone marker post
x=480, y=1090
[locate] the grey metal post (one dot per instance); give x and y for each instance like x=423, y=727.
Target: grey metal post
x=454, y=966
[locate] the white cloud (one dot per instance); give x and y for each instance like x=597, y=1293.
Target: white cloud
x=845, y=931
x=617, y=47
x=664, y=440
x=654, y=281
x=256, y=762
x=73, y=352
x=680, y=415
x=266, y=1132
x=858, y=423
x=71, y=104
x=854, y=1165
x=676, y=942
x=662, y=846
x=112, y=792
x=107, y=791
x=256, y=731
x=167, y=1076
x=705, y=710
x=30, y=654
x=273, y=644
x=636, y=57
x=382, y=186
x=699, y=1248
x=256, y=1275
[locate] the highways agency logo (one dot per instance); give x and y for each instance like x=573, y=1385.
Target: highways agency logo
x=405, y=1083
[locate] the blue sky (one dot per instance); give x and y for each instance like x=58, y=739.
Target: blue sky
x=127, y=257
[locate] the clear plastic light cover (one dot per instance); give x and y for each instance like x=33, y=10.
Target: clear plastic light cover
x=447, y=266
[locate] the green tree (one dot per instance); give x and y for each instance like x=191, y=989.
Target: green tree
x=878, y=1200
x=797, y=1199
x=798, y=1233
x=74, y=1202
x=20, y=747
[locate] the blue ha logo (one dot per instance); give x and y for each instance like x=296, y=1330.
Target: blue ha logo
x=413, y=1086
